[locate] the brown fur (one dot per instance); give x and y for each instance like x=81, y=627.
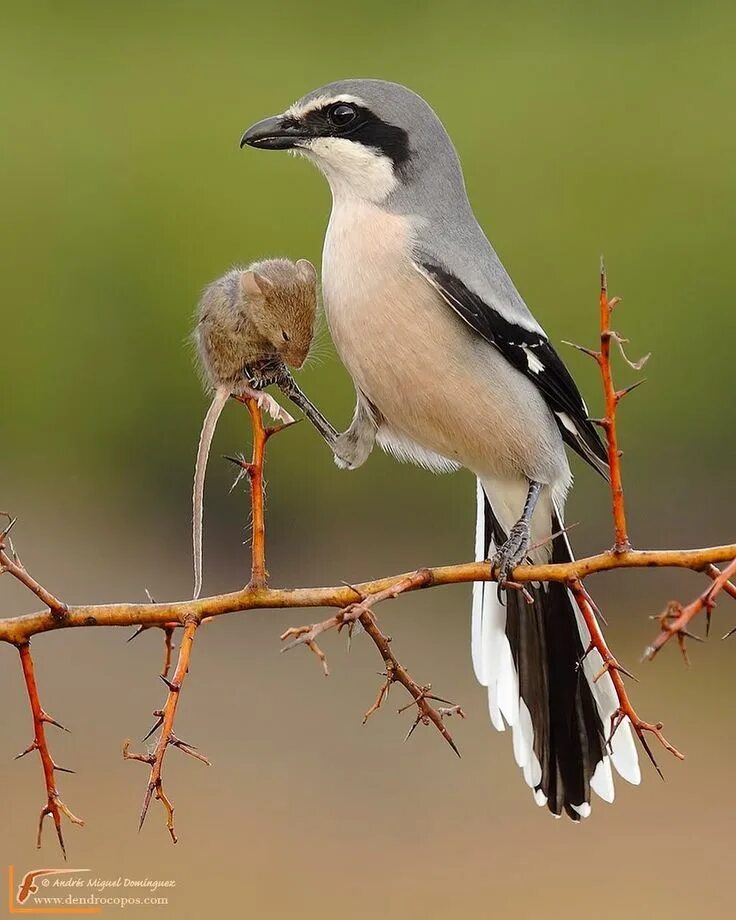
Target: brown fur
x=250, y=315
x=266, y=310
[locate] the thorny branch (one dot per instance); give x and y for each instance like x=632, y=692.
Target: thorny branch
x=612, y=398
x=165, y=726
x=611, y=666
x=54, y=806
x=189, y=614
x=675, y=618
x=361, y=611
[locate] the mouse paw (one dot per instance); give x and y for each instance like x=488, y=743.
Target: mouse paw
x=268, y=403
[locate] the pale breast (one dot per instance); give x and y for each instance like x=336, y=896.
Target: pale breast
x=432, y=378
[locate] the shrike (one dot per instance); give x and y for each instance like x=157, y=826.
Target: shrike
x=452, y=370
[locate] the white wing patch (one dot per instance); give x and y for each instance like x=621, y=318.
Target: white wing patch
x=535, y=365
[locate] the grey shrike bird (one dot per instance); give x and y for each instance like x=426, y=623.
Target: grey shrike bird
x=452, y=370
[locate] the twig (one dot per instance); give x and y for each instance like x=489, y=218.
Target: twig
x=625, y=710
x=395, y=672
x=13, y=566
x=168, y=631
x=165, y=722
x=254, y=471
x=54, y=804
x=612, y=398
x=675, y=618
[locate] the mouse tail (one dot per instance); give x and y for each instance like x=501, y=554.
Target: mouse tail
x=222, y=394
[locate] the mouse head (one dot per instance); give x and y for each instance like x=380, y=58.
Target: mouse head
x=282, y=300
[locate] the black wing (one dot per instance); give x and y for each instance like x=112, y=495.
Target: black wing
x=530, y=352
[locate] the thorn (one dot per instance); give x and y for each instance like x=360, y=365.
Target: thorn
x=137, y=633
x=190, y=749
x=729, y=633
x=160, y=721
x=62, y=769
x=414, y=725
x=619, y=394
x=689, y=635
x=586, y=351
x=239, y=461
x=650, y=755
x=11, y=524
x=169, y=683
x=31, y=747
x=146, y=803
x=45, y=717
x=276, y=429
x=448, y=738
x=614, y=666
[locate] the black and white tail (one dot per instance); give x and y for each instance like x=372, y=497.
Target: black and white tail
x=528, y=657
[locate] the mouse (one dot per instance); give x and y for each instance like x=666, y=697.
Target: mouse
x=251, y=323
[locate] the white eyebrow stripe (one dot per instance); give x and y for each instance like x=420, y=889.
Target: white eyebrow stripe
x=300, y=109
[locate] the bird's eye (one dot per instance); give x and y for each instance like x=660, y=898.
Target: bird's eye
x=285, y=334
x=341, y=115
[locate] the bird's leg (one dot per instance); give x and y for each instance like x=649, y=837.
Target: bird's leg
x=352, y=448
x=514, y=549
x=290, y=389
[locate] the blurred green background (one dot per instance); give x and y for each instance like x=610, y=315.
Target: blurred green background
x=584, y=128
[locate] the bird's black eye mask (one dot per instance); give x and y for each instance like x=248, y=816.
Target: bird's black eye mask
x=356, y=123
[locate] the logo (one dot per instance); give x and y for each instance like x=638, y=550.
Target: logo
x=80, y=891
x=30, y=884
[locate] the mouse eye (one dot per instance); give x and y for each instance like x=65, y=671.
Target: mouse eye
x=285, y=335
x=340, y=115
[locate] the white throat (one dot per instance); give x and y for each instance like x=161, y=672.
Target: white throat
x=353, y=170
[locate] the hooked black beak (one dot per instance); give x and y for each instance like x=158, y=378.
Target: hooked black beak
x=275, y=133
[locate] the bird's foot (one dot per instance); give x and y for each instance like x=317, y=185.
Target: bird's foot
x=262, y=374
x=512, y=553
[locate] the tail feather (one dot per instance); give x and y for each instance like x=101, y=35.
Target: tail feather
x=528, y=657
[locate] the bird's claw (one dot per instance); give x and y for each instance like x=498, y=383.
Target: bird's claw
x=512, y=553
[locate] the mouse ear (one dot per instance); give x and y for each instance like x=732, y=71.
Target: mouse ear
x=254, y=284
x=307, y=271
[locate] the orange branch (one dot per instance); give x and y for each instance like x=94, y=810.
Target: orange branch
x=259, y=573
x=165, y=722
x=625, y=710
x=13, y=566
x=612, y=399
x=395, y=671
x=54, y=805
x=675, y=618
